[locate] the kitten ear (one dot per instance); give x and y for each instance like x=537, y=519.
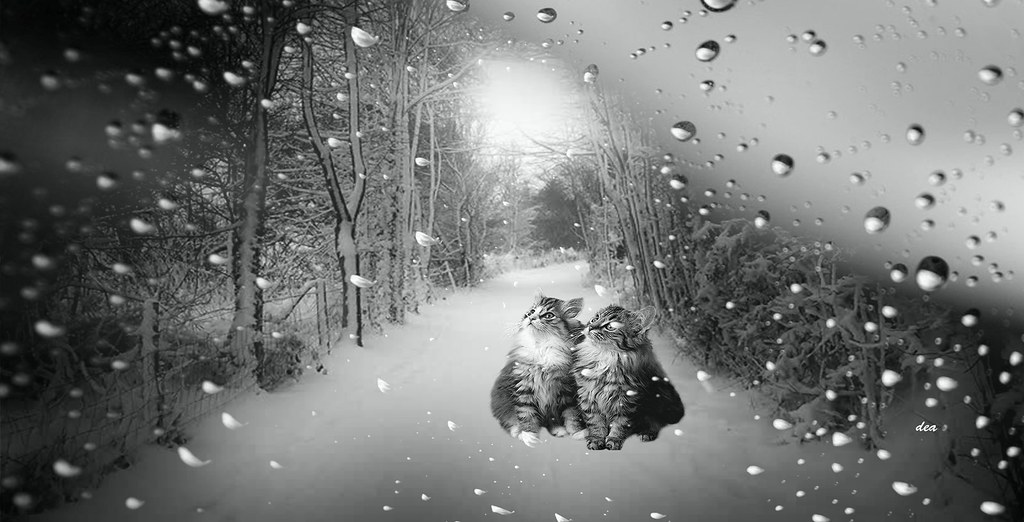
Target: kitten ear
x=572, y=307
x=538, y=296
x=645, y=319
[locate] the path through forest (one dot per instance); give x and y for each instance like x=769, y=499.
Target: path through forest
x=347, y=451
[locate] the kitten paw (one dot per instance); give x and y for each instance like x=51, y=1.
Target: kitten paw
x=515, y=431
x=559, y=431
x=529, y=438
x=595, y=444
x=613, y=444
x=580, y=435
x=648, y=437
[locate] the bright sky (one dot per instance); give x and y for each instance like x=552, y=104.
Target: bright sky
x=524, y=101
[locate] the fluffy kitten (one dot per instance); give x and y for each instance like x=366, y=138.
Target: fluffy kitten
x=622, y=388
x=536, y=388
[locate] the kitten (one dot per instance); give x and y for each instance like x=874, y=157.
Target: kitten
x=622, y=387
x=536, y=388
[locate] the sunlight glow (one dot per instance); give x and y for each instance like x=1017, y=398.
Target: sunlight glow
x=523, y=100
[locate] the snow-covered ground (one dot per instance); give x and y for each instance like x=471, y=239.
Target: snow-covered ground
x=345, y=450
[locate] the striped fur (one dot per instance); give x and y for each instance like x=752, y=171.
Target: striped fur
x=621, y=386
x=536, y=389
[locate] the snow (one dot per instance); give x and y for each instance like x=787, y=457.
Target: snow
x=349, y=452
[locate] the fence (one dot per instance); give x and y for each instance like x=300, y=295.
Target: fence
x=91, y=415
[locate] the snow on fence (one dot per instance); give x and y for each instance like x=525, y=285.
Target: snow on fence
x=91, y=415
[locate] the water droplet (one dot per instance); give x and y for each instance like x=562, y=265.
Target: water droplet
x=213, y=7
x=233, y=79
x=230, y=422
x=992, y=508
x=932, y=273
x=718, y=6
x=141, y=227
x=877, y=220
x=817, y=48
x=363, y=38
x=915, y=134
x=899, y=272
x=970, y=318
x=547, y=15
x=190, y=459
x=457, y=5
x=1015, y=118
x=501, y=510
x=990, y=75
x=890, y=378
x=762, y=219
x=666, y=25
x=683, y=130
x=903, y=489
x=707, y=51
x=782, y=164
x=924, y=201
x=65, y=469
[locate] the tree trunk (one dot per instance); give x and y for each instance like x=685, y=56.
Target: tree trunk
x=247, y=324
x=344, y=217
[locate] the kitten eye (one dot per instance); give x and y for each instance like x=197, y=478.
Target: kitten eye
x=612, y=326
x=548, y=315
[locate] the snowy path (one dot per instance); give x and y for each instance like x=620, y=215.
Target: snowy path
x=347, y=450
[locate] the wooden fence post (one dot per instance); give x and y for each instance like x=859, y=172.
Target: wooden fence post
x=327, y=316
x=149, y=358
x=321, y=311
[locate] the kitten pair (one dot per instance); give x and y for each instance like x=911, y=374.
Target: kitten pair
x=600, y=381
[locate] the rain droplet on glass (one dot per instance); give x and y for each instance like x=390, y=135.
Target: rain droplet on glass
x=990, y=75
x=707, y=51
x=932, y=273
x=547, y=15
x=877, y=220
x=683, y=130
x=915, y=134
x=782, y=164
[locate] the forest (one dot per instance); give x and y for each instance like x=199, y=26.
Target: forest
x=281, y=180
